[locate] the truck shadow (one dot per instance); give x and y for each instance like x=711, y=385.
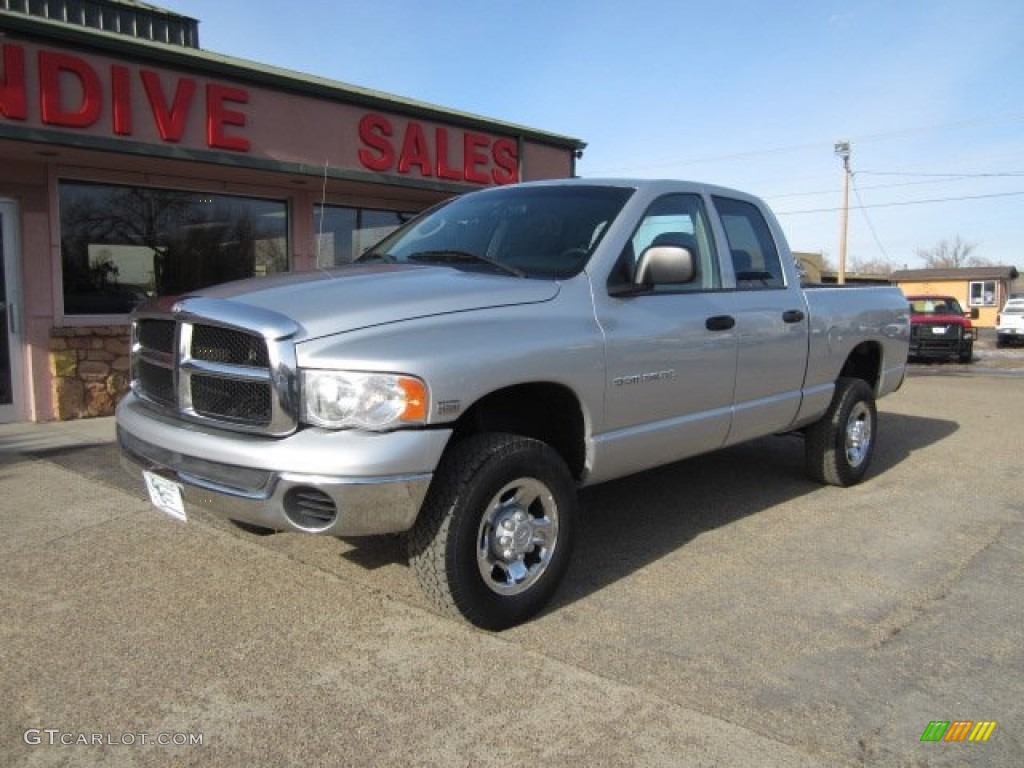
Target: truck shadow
x=630, y=523
x=625, y=524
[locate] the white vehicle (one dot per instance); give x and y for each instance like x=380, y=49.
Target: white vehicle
x=1010, y=323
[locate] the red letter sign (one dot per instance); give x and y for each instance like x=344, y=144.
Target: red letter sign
x=13, y=103
x=218, y=116
x=474, y=157
x=506, y=158
x=121, y=99
x=51, y=67
x=374, y=131
x=415, y=150
x=170, y=121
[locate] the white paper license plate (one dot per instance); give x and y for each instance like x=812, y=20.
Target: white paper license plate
x=165, y=495
x=938, y=331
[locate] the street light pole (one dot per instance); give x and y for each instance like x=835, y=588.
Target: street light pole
x=842, y=150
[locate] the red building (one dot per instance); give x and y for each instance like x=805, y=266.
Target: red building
x=135, y=164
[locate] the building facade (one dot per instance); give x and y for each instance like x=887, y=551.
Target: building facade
x=135, y=164
x=980, y=290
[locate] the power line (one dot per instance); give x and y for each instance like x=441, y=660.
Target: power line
x=944, y=175
x=1011, y=116
x=906, y=202
x=870, y=186
x=867, y=219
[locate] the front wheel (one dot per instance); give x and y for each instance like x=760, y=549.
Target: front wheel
x=839, y=446
x=495, y=534
x=966, y=353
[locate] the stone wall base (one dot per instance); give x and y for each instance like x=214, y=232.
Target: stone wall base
x=89, y=370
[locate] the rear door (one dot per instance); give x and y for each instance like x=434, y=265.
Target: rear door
x=771, y=325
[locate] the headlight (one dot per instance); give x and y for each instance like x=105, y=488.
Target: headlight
x=350, y=399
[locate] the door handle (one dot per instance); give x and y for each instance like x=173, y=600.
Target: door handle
x=720, y=322
x=792, y=315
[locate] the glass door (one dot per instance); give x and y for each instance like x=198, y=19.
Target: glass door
x=11, y=395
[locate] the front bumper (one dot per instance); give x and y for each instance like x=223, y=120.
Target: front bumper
x=316, y=481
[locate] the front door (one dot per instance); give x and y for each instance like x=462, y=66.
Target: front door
x=12, y=406
x=671, y=351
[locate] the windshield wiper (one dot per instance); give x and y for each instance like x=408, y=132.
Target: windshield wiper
x=463, y=257
x=368, y=257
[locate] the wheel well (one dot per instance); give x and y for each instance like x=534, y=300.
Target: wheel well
x=864, y=362
x=547, y=412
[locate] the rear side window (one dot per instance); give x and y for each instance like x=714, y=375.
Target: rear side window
x=755, y=259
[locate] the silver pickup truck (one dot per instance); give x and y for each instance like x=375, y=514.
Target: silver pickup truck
x=467, y=374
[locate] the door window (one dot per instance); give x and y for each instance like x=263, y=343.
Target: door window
x=677, y=220
x=755, y=259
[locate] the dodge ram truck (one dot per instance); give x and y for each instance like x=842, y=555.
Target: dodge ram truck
x=466, y=375
x=939, y=328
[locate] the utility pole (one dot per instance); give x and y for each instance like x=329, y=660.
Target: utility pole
x=843, y=152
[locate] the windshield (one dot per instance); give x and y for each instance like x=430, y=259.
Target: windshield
x=936, y=305
x=545, y=232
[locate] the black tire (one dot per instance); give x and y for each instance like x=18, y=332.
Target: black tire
x=966, y=354
x=1001, y=341
x=492, y=491
x=839, y=446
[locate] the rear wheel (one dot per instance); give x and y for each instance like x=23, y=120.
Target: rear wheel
x=495, y=534
x=840, y=445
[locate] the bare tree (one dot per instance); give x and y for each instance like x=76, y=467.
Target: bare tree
x=953, y=253
x=871, y=267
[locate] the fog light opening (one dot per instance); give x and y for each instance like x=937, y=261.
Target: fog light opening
x=310, y=508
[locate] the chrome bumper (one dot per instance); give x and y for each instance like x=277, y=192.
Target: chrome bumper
x=279, y=498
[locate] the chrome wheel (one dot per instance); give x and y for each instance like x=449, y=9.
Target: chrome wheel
x=858, y=435
x=517, y=536
x=840, y=444
x=496, y=531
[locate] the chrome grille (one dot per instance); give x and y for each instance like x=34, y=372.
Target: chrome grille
x=214, y=372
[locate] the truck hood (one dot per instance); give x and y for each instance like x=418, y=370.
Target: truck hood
x=333, y=301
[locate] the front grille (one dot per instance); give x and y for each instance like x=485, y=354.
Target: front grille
x=225, y=345
x=243, y=402
x=212, y=373
x=157, y=335
x=926, y=331
x=157, y=382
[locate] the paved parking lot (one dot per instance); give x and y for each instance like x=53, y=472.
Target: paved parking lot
x=720, y=611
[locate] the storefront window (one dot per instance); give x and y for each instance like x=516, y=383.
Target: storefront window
x=121, y=245
x=344, y=233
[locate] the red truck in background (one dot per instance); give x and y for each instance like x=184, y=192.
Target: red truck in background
x=939, y=328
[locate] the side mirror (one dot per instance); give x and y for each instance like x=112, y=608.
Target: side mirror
x=973, y=314
x=661, y=264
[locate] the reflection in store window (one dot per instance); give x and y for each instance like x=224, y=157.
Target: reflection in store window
x=343, y=234
x=121, y=245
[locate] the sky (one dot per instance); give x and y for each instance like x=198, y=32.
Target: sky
x=744, y=94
